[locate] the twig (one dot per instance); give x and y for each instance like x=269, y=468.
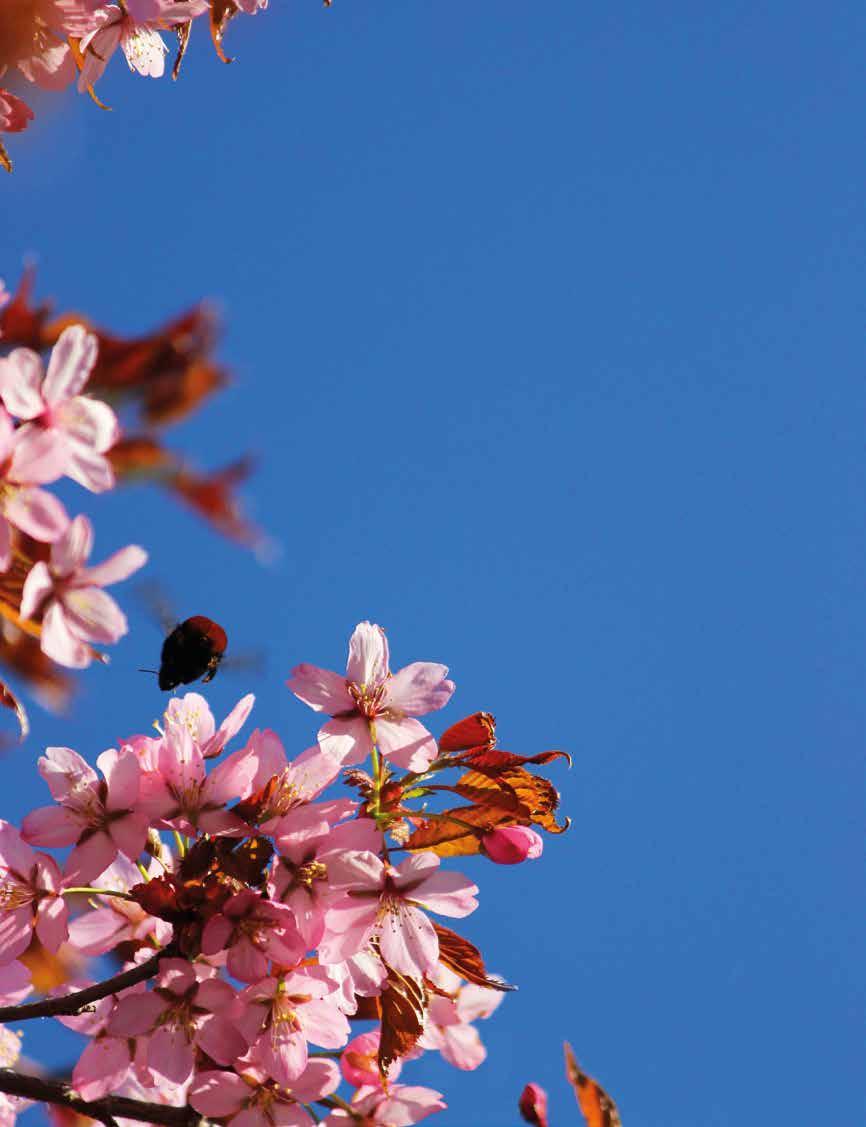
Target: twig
x=105, y=1110
x=72, y=1003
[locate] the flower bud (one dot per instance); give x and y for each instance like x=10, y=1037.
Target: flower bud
x=509, y=845
x=533, y=1103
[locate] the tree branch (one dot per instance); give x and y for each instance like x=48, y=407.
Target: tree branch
x=104, y=1110
x=73, y=1003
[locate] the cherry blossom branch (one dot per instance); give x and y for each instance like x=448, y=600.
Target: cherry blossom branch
x=73, y=1003
x=105, y=1110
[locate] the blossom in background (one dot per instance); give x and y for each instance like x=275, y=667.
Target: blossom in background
x=253, y=931
x=398, y=1105
x=188, y=1008
x=370, y=705
x=248, y=1098
x=448, y=1026
x=359, y=1064
x=30, y=897
x=75, y=609
x=26, y=461
x=134, y=28
x=388, y=903
x=280, y=1015
x=99, y=818
x=82, y=429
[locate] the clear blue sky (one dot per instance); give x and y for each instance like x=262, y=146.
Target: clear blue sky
x=547, y=321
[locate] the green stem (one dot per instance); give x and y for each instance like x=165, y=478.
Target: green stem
x=97, y=892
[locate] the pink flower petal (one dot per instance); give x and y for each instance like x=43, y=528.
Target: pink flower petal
x=37, y=456
x=418, y=688
x=53, y=826
x=90, y=858
x=72, y=550
x=21, y=383
x=93, y=614
x=407, y=743
x=64, y=770
x=37, y=587
x=91, y=470
x=449, y=894
x=408, y=941
x=346, y=741
x=101, y=1068
x=90, y=421
x=322, y=689
x=170, y=1054
x=51, y=923
x=72, y=360
x=368, y=655
x=38, y=513
x=220, y=1039
x=59, y=643
x=218, y=1094
x=116, y=568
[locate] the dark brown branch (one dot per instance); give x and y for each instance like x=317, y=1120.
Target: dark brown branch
x=73, y=1003
x=105, y=1110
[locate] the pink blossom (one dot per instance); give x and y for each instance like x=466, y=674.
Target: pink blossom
x=298, y=782
x=75, y=609
x=181, y=795
x=306, y=839
x=252, y=1100
x=389, y=903
x=30, y=897
x=193, y=711
x=133, y=28
x=116, y=920
x=448, y=1025
x=359, y=1061
x=27, y=461
x=254, y=931
x=82, y=429
x=188, y=1008
x=15, y=115
x=399, y=1105
x=99, y=818
x=371, y=706
x=509, y=845
x=281, y=1014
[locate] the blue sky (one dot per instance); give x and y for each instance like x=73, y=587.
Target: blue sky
x=546, y=322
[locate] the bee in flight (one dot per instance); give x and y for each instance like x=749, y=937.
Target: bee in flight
x=193, y=649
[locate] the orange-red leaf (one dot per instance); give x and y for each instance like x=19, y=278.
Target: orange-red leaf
x=478, y=730
x=457, y=832
x=403, y=1004
x=491, y=759
x=464, y=958
x=10, y=701
x=221, y=12
x=537, y=795
x=598, y=1108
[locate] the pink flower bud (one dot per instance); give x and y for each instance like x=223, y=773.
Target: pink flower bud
x=509, y=845
x=533, y=1103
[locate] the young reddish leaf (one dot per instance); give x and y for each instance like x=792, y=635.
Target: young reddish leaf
x=464, y=958
x=478, y=730
x=533, y=1105
x=490, y=759
x=457, y=832
x=537, y=795
x=10, y=701
x=598, y=1108
x=183, y=32
x=221, y=11
x=403, y=1005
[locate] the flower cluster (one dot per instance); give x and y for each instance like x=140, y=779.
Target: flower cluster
x=258, y=918
x=55, y=43
x=65, y=386
x=49, y=430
